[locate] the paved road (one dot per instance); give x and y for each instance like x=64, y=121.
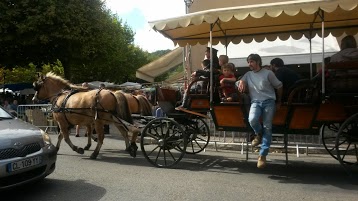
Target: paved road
x=211, y=175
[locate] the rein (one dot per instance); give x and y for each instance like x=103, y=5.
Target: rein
x=63, y=109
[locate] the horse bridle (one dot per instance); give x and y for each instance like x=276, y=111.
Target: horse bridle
x=41, y=84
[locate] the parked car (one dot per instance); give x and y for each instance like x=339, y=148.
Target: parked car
x=26, y=152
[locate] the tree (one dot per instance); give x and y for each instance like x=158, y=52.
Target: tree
x=91, y=42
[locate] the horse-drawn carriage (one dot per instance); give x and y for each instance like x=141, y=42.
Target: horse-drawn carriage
x=327, y=108
x=164, y=141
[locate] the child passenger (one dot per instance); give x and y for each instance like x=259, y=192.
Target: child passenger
x=227, y=80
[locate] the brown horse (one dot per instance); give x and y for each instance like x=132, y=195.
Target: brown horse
x=74, y=105
x=138, y=104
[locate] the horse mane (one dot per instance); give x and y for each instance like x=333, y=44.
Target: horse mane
x=65, y=82
x=145, y=105
x=124, y=111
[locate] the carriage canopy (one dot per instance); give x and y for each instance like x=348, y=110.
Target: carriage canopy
x=262, y=21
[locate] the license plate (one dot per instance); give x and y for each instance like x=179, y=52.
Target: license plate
x=22, y=164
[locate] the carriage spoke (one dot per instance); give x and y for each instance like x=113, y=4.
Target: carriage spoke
x=345, y=152
x=158, y=154
x=165, y=158
x=196, y=142
x=333, y=127
x=173, y=157
x=150, y=153
x=344, y=141
x=356, y=152
x=153, y=136
x=199, y=138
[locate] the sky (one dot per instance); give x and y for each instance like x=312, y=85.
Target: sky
x=137, y=14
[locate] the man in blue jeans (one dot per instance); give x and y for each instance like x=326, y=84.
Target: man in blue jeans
x=261, y=84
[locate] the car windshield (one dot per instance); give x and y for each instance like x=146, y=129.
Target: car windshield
x=4, y=114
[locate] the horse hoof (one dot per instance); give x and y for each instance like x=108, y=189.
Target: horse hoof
x=133, y=153
x=133, y=150
x=80, y=151
x=87, y=148
x=94, y=155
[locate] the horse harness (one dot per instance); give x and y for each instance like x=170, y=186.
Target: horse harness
x=63, y=109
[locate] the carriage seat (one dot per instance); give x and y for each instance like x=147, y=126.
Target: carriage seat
x=304, y=91
x=167, y=99
x=199, y=86
x=343, y=78
x=198, y=95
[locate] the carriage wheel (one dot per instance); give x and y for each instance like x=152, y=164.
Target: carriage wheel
x=198, y=133
x=163, y=142
x=329, y=133
x=347, y=142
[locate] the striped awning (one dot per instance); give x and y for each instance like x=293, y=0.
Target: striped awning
x=262, y=21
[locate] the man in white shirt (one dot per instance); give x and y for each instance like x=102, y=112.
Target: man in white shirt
x=261, y=84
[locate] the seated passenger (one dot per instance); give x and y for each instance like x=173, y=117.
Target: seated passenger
x=204, y=73
x=214, y=56
x=349, y=51
x=223, y=59
x=287, y=76
x=227, y=84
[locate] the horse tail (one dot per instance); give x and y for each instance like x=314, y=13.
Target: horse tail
x=123, y=107
x=145, y=105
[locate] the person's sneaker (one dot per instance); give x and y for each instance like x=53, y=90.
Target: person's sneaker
x=252, y=137
x=257, y=140
x=261, y=162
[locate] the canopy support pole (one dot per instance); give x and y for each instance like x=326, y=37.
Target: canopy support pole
x=311, y=60
x=321, y=14
x=211, y=64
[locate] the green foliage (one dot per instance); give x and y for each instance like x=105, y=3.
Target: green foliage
x=28, y=74
x=155, y=55
x=56, y=68
x=90, y=42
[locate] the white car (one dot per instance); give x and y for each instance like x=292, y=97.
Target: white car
x=26, y=152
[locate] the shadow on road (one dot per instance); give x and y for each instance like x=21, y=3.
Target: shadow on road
x=58, y=189
x=312, y=169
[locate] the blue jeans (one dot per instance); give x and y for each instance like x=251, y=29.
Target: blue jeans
x=266, y=109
